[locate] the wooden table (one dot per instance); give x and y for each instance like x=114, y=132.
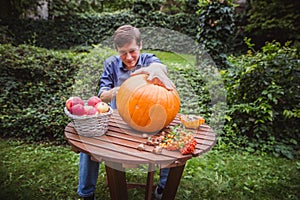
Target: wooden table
x=118, y=149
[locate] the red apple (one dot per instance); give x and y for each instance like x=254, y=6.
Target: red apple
x=102, y=107
x=77, y=109
x=90, y=110
x=72, y=101
x=92, y=101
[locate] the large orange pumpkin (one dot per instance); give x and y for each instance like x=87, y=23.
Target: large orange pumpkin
x=145, y=106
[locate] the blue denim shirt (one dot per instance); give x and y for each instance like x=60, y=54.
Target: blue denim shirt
x=115, y=73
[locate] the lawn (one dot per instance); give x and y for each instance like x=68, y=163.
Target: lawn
x=45, y=171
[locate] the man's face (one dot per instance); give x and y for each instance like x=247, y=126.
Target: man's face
x=130, y=54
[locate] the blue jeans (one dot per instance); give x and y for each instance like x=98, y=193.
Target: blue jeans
x=88, y=174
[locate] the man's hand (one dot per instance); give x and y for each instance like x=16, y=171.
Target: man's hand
x=157, y=74
x=108, y=95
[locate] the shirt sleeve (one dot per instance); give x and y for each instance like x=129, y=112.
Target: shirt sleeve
x=106, y=80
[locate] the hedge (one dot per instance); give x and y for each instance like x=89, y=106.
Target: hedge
x=35, y=85
x=70, y=31
x=263, y=97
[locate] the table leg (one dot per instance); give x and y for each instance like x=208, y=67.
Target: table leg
x=149, y=185
x=116, y=182
x=173, y=181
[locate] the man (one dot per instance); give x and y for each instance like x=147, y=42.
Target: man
x=117, y=69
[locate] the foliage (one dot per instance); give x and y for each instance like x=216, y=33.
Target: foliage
x=174, y=6
x=68, y=7
x=35, y=85
x=273, y=20
x=88, y=29
x=18, y=8
x=191, y=6
x=5, y=36
x=113, y=6
x=216, y=29
x=263, y=98
x=24, y=8
x=67, y=31
x=57, y=8
x=143, y=7
x=45, y=171
x=263, y=21
x=194, y=95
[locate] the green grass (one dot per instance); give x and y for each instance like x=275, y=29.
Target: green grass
x=170, y=58
x=44, y=171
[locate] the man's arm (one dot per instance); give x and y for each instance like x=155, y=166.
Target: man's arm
x=108, y=95
x=107, y=90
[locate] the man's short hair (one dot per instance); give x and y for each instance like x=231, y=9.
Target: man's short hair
x=126, y=34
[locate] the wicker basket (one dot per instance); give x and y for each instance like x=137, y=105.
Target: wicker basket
x=90, y=125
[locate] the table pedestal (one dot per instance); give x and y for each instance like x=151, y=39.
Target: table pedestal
x=116, y=179
x=116, y=182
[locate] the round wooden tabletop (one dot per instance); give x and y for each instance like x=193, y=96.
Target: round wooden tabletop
x=120, y=144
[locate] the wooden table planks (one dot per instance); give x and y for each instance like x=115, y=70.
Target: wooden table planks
x=118, y=149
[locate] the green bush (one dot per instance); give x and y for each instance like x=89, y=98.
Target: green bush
x=67, y=7
x=143, y=7
x=69, y=31
x=263, y=97
x=35, y=85
x=273, y=20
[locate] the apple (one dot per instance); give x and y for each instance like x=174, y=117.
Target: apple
x=77, y=109
x=92, y=101
x=102, y=107
x=90, y=110
x=72, y=101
